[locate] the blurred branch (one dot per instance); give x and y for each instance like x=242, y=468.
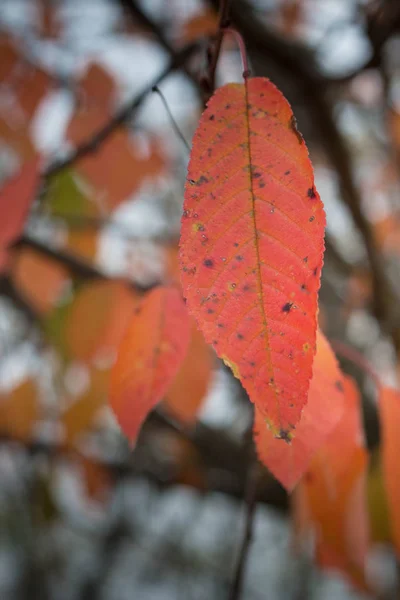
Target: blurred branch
x=121, y=116
x=251, y=503
x=134, y=11
x=383, y=21
x=75, y=265
x=8, y=289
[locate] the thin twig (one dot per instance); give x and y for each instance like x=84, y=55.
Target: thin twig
x=174, y=124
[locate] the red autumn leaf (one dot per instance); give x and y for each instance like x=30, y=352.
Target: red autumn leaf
x=98, y=318
x=39, y=279
x=332, y=493
x=16, y=197
x=186, y=393
x=149, y=357
x=389, y=410
x=289, y=462
x=252, y=245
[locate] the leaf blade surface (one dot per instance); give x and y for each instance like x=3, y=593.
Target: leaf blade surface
x=252, y=245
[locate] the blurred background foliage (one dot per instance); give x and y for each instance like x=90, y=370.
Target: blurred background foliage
x=81, y=515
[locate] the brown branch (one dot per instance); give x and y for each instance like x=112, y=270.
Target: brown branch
x=78, y=267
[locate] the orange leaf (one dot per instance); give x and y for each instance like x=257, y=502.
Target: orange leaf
x=98, y=318
x=16, y=197
x=201, y=25
x=116, y=179
x=19, y=411
x=9, y=58
x=252, y=245
x=31, y=90
x=17, y=137
x=39, y=279
x=187, y=392
x=389, y=409
x=79, y=416
x=98, y=87
x=149, y=357
x=289, y=462
x=84, y=243
x=334, y=492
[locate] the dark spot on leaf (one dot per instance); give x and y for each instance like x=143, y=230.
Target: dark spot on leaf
x=220, y=325
x=261, y=184
x=239, y=336
x=287, y=307
x=215, y=342
x=271, y=380
x=315, y=271
x=201, y=228
x=227, y=106
x=303, y=287
x=236, y=244
x=305, y=259
x=311, y=193
x=210, y=311
x=285, y=436
x=239, y=257
x=246, y=288
x=191, y=181
x=339, y=386
x=208, y=262
x=287, y=172
x=252, y=363
x=311, y=219
x=212, y=117
x=202, y=180
x=185, y=214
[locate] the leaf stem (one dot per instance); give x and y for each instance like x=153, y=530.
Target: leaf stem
x=242, y=50
x=174, y=124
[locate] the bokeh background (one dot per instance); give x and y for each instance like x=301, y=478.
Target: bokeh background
x=81, y=515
